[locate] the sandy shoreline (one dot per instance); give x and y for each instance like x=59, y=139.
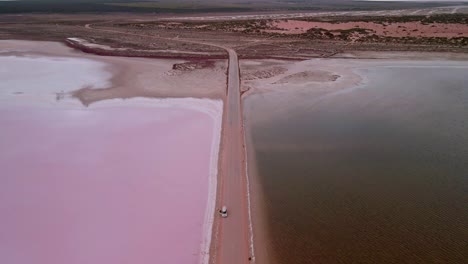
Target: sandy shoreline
x=262, y=252
x=136, y=77
x=286, y=81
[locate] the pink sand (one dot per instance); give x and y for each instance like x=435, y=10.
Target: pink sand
x=392, y=30
x=103, y=185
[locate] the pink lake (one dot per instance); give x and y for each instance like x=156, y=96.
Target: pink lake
x=107, y=184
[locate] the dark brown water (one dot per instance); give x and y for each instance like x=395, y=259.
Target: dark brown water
x=377, y=174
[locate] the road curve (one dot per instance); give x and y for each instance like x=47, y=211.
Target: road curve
x=233, y=240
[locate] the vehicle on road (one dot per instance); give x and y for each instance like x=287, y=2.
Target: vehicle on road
x=223, y=212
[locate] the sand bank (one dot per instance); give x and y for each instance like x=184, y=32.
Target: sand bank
x=287, y=81
x=130, y=77
x=93, y=48
x=323, y=76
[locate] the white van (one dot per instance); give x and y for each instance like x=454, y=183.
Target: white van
x=223, y=212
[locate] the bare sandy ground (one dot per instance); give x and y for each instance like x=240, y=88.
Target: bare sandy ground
x=135, y=77
x=78, y=42
x=283, y=76
x=406, y=29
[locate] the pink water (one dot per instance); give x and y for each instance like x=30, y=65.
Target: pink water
x=103, y=186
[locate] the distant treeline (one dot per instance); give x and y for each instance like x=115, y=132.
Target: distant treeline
x=88, y=6
x=83, y=7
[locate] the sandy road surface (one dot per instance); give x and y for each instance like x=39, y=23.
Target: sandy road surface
x=234, y=234
x=232, y=242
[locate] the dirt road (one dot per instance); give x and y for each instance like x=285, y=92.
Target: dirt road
x=233, y=242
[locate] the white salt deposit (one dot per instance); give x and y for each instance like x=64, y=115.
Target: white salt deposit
x=92, y=45
x=48, y=78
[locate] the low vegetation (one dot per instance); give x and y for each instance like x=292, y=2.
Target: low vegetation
x=440, y=18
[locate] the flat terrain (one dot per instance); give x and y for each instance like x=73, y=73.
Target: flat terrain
x=198, y=55
x=268, y=35
x=163, y=7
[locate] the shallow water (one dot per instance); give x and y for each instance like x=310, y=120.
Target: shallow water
x=105, y=185
x=102, y=183
x=377, y=174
